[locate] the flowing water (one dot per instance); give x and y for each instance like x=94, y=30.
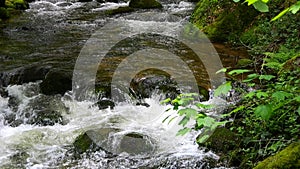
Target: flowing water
x=51, y=34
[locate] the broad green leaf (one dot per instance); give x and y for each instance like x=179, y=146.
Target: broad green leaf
x=223, y=89
x=265, y=1
x=189, y=112
x=223, y=70
x=238, y=71
x=183, y=131
x=295, y=8
x=184, y=121
x=263, y=111
x=280, y=14
x=261, y=7
x=185, y=101
x=298, y=110
x=281, y=95
x=206, y=121
x=261, y=94
x=190, y=94
x=250, y=2
x=250, y=77
x=266, y=77
x=236, y=0
x=165, y=101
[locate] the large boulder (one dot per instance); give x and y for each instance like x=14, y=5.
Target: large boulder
x=113, y=141
x=289, y=158
x=144, y=4
x=57, y=81
x=149, y=82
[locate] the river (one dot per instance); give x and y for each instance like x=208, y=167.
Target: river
x=55, y=34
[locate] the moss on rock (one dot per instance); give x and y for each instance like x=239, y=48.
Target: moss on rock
x=288, y=158
x=145, y=4
x=9, y=8
x=223, y=19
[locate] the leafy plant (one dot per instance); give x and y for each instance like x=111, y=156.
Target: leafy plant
x=189, y=109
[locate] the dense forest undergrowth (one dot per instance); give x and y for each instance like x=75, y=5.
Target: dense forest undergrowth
x=267, y=117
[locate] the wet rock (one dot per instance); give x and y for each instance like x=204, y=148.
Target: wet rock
x=135, y=143
x=3, y=92
x=113, y=141
x=94, y=140
x=119, y=10
x=144, y=4
x=56, y=82
x=288, y=158
x=104, y=104
x=23, y=75
x=146, y=84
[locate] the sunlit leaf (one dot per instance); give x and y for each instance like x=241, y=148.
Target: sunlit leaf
x=223, y=89
x=264, y=111
x=280, y=14
x=238, y=71
x=183, y=131
x=204, y=106
x=184, y=121
x=250, y=2
x=261, y=7
x=168, y=100
x=223, y=70
x=295, y=8
x=189, y=112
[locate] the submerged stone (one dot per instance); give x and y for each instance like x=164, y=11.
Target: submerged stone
x=104, y=104
x=144, y=4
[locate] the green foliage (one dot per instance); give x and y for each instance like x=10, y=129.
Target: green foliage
x=189, y=109
x=268, y=118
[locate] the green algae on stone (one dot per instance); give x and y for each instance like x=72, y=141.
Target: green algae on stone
x=288, y=158
x=223, y=19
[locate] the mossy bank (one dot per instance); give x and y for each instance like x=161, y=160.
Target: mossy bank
x=9, y=8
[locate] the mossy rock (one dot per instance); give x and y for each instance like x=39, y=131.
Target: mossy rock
x=221, y=141
x=288, y=158
x=120, y=10
x=145, y=4
x=17, y=4
x=222, y=20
